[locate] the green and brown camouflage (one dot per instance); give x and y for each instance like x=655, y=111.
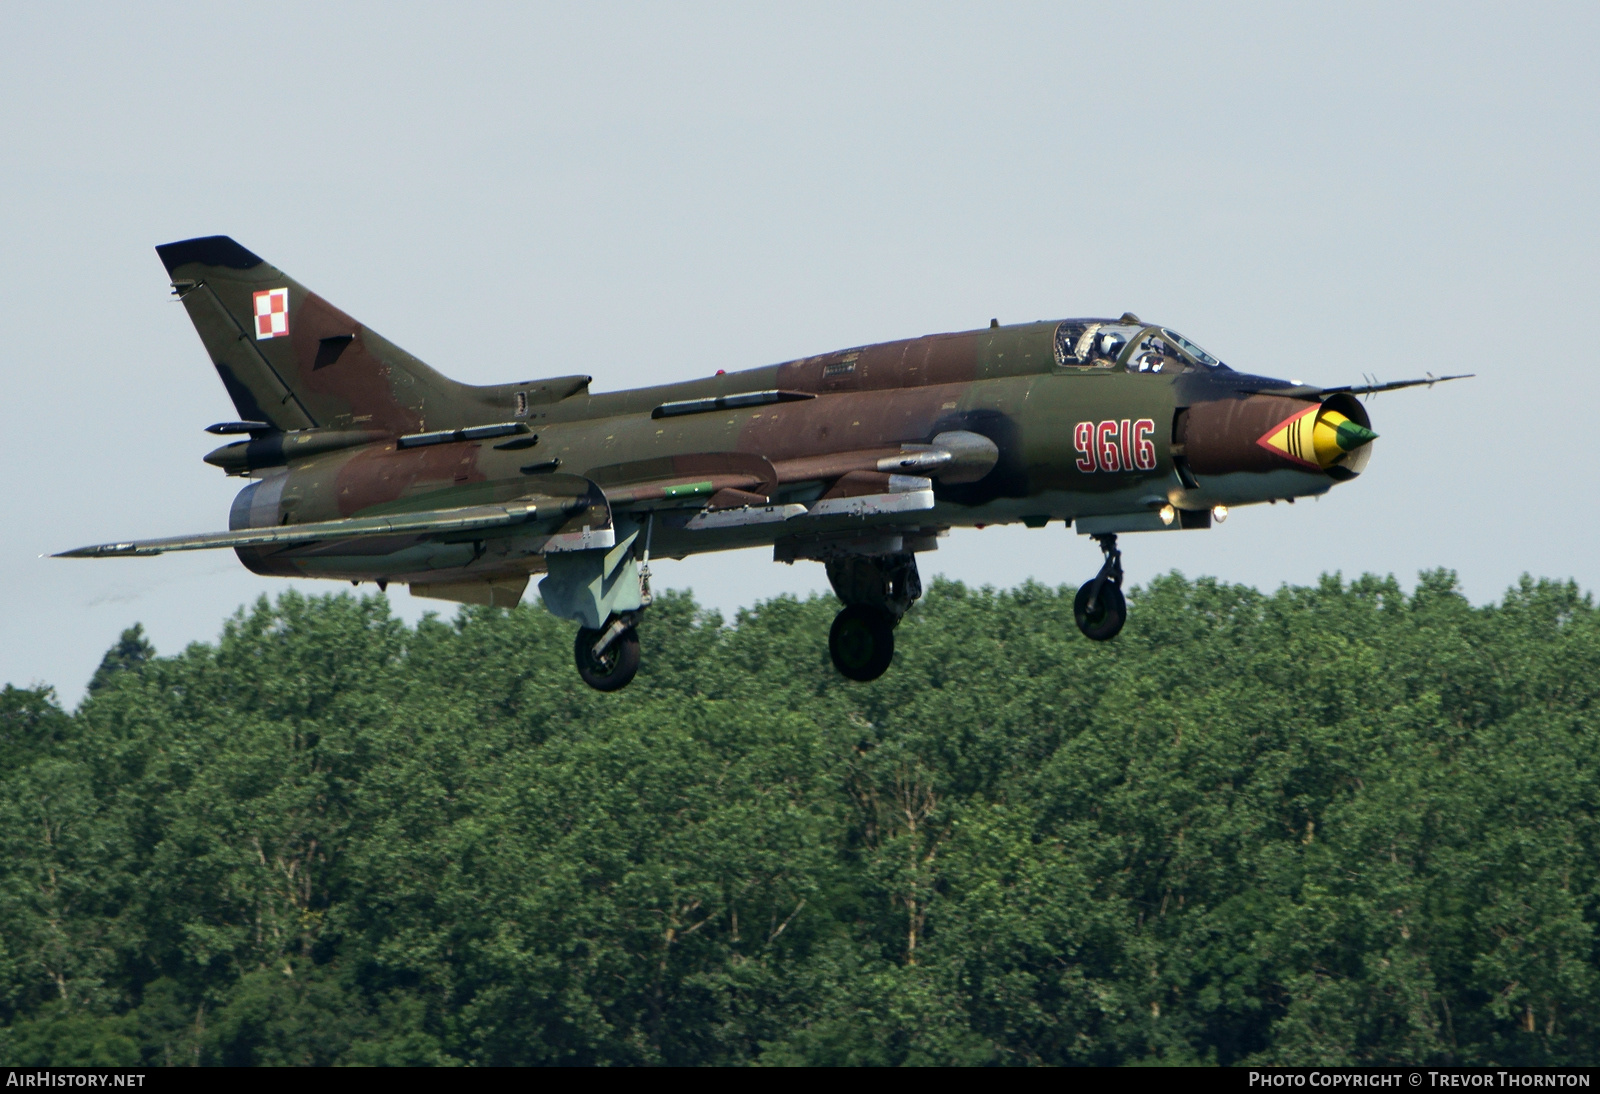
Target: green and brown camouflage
x=368, y=465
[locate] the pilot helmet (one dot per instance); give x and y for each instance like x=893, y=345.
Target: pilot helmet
x=1111, y=344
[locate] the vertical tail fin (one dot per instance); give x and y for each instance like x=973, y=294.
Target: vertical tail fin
x=290, y=358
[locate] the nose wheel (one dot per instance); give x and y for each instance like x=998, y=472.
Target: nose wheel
x=1100, y=608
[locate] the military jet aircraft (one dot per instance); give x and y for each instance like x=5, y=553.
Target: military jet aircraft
x=367, y=465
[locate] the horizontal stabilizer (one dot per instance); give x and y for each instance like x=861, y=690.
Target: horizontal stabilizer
x=430, y=522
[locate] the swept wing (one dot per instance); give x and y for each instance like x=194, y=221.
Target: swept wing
x=429, y=522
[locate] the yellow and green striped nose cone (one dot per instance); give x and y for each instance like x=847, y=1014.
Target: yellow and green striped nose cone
x=1334, y=435
x=1316, y=437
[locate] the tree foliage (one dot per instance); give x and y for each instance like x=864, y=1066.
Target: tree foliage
x=1337, y=824
x=132, y=650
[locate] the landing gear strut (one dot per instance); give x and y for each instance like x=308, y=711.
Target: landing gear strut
x=608, y=656
x=1100, y=608
x=877, y=591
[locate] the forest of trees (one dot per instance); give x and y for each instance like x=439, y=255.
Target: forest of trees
x=1333, y=825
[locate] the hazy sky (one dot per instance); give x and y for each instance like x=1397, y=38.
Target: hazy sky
x=654, y=192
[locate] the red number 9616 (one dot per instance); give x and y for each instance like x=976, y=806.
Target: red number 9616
x=1115, y=446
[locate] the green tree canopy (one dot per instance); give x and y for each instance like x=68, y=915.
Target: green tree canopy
x=1336, y=824
x=132, y=650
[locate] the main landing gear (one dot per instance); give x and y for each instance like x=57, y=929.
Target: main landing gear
x=608, y=656
x=608, y=659
x=877, y=592
x=1100, y=608
x=861, y=641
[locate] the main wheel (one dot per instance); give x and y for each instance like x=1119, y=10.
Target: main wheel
x=612, y=670
x=1110, y=611
x=862, y=642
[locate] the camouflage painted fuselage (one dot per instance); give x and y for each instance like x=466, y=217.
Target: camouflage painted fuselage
x=1117, y=425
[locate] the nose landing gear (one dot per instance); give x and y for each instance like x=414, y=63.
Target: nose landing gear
x=1100, y=608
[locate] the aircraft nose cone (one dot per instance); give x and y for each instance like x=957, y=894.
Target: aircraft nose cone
x=1265, y=432
x=1316, y=438
x=1334, y=435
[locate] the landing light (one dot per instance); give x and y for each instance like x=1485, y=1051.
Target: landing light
x=1167, y=514
x=1219, y=513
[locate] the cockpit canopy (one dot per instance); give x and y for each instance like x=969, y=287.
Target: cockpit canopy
x=1126, y=343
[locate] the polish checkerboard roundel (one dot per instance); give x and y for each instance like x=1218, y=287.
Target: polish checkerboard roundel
x=272, y=313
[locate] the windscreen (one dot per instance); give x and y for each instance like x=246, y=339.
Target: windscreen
x=1199, y=355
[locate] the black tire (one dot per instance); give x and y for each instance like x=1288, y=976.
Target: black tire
x=613, y=670
x=861, y=642
x=1111, y=611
